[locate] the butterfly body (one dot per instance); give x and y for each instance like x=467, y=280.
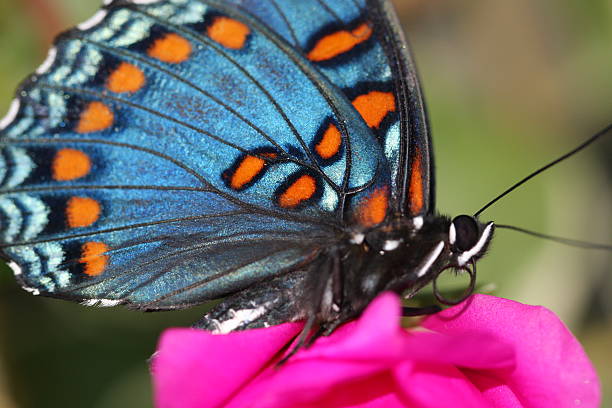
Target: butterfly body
x=274, y=153
x=402, y=256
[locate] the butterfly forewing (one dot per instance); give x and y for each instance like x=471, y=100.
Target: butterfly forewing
x=172, y=152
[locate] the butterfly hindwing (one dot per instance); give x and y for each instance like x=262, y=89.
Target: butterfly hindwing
x=177, y=151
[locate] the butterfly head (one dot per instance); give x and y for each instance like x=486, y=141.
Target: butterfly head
x=405, y=255
x=468, y=239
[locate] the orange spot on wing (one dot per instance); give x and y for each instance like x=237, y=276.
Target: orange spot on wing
x=373, y=209
x=82, y=212
x=247, y=170
x=301, y=190
x=374, y=106
x=171, y=48
x=70, y=164
x=415, y=191
x=96, y=117
x=330, y=143
x=126, y=78
x=339, y=42
x=229, y=32
x=93, y=258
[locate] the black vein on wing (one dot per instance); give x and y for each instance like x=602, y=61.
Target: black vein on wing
x=43, y=265
x=202, y=40
x=222, y=274
x=296, y=42
x=181, y=253
x=268, y=235
x=322, y=221
x=308, y=71
x=44, y=189
x=330, y=11
x=4, y=159
x=357, y=6
x=177, y=163
x=25, y=213
x=123, y=228
x=151, y=64
x=106, y=97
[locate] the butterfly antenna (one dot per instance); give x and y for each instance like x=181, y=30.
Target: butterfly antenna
x=544, y=168
x=560, y=240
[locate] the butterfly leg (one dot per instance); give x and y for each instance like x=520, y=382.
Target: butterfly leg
x=324, y=286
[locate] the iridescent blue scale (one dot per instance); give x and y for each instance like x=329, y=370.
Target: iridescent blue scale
x=175, y=151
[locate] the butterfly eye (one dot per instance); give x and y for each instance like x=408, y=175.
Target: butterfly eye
x=466, y=232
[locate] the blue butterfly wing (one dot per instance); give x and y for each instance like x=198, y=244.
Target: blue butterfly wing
x=359, y=46
x=178, y=151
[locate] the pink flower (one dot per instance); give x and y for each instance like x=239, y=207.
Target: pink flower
x=487, y=352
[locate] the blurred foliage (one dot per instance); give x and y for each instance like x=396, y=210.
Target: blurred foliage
x=510, y=86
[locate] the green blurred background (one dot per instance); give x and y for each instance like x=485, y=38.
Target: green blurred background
x=510, y=86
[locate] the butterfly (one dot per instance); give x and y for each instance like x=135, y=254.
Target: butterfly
x=275, y=154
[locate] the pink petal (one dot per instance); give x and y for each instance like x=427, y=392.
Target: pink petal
x=427, y=385
x=474, y=350
x=354, y=365
x=490, y=352
x=195, y=369
x=552, y=369
x=494, y=390
x=360, y=340
x=345, y=369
